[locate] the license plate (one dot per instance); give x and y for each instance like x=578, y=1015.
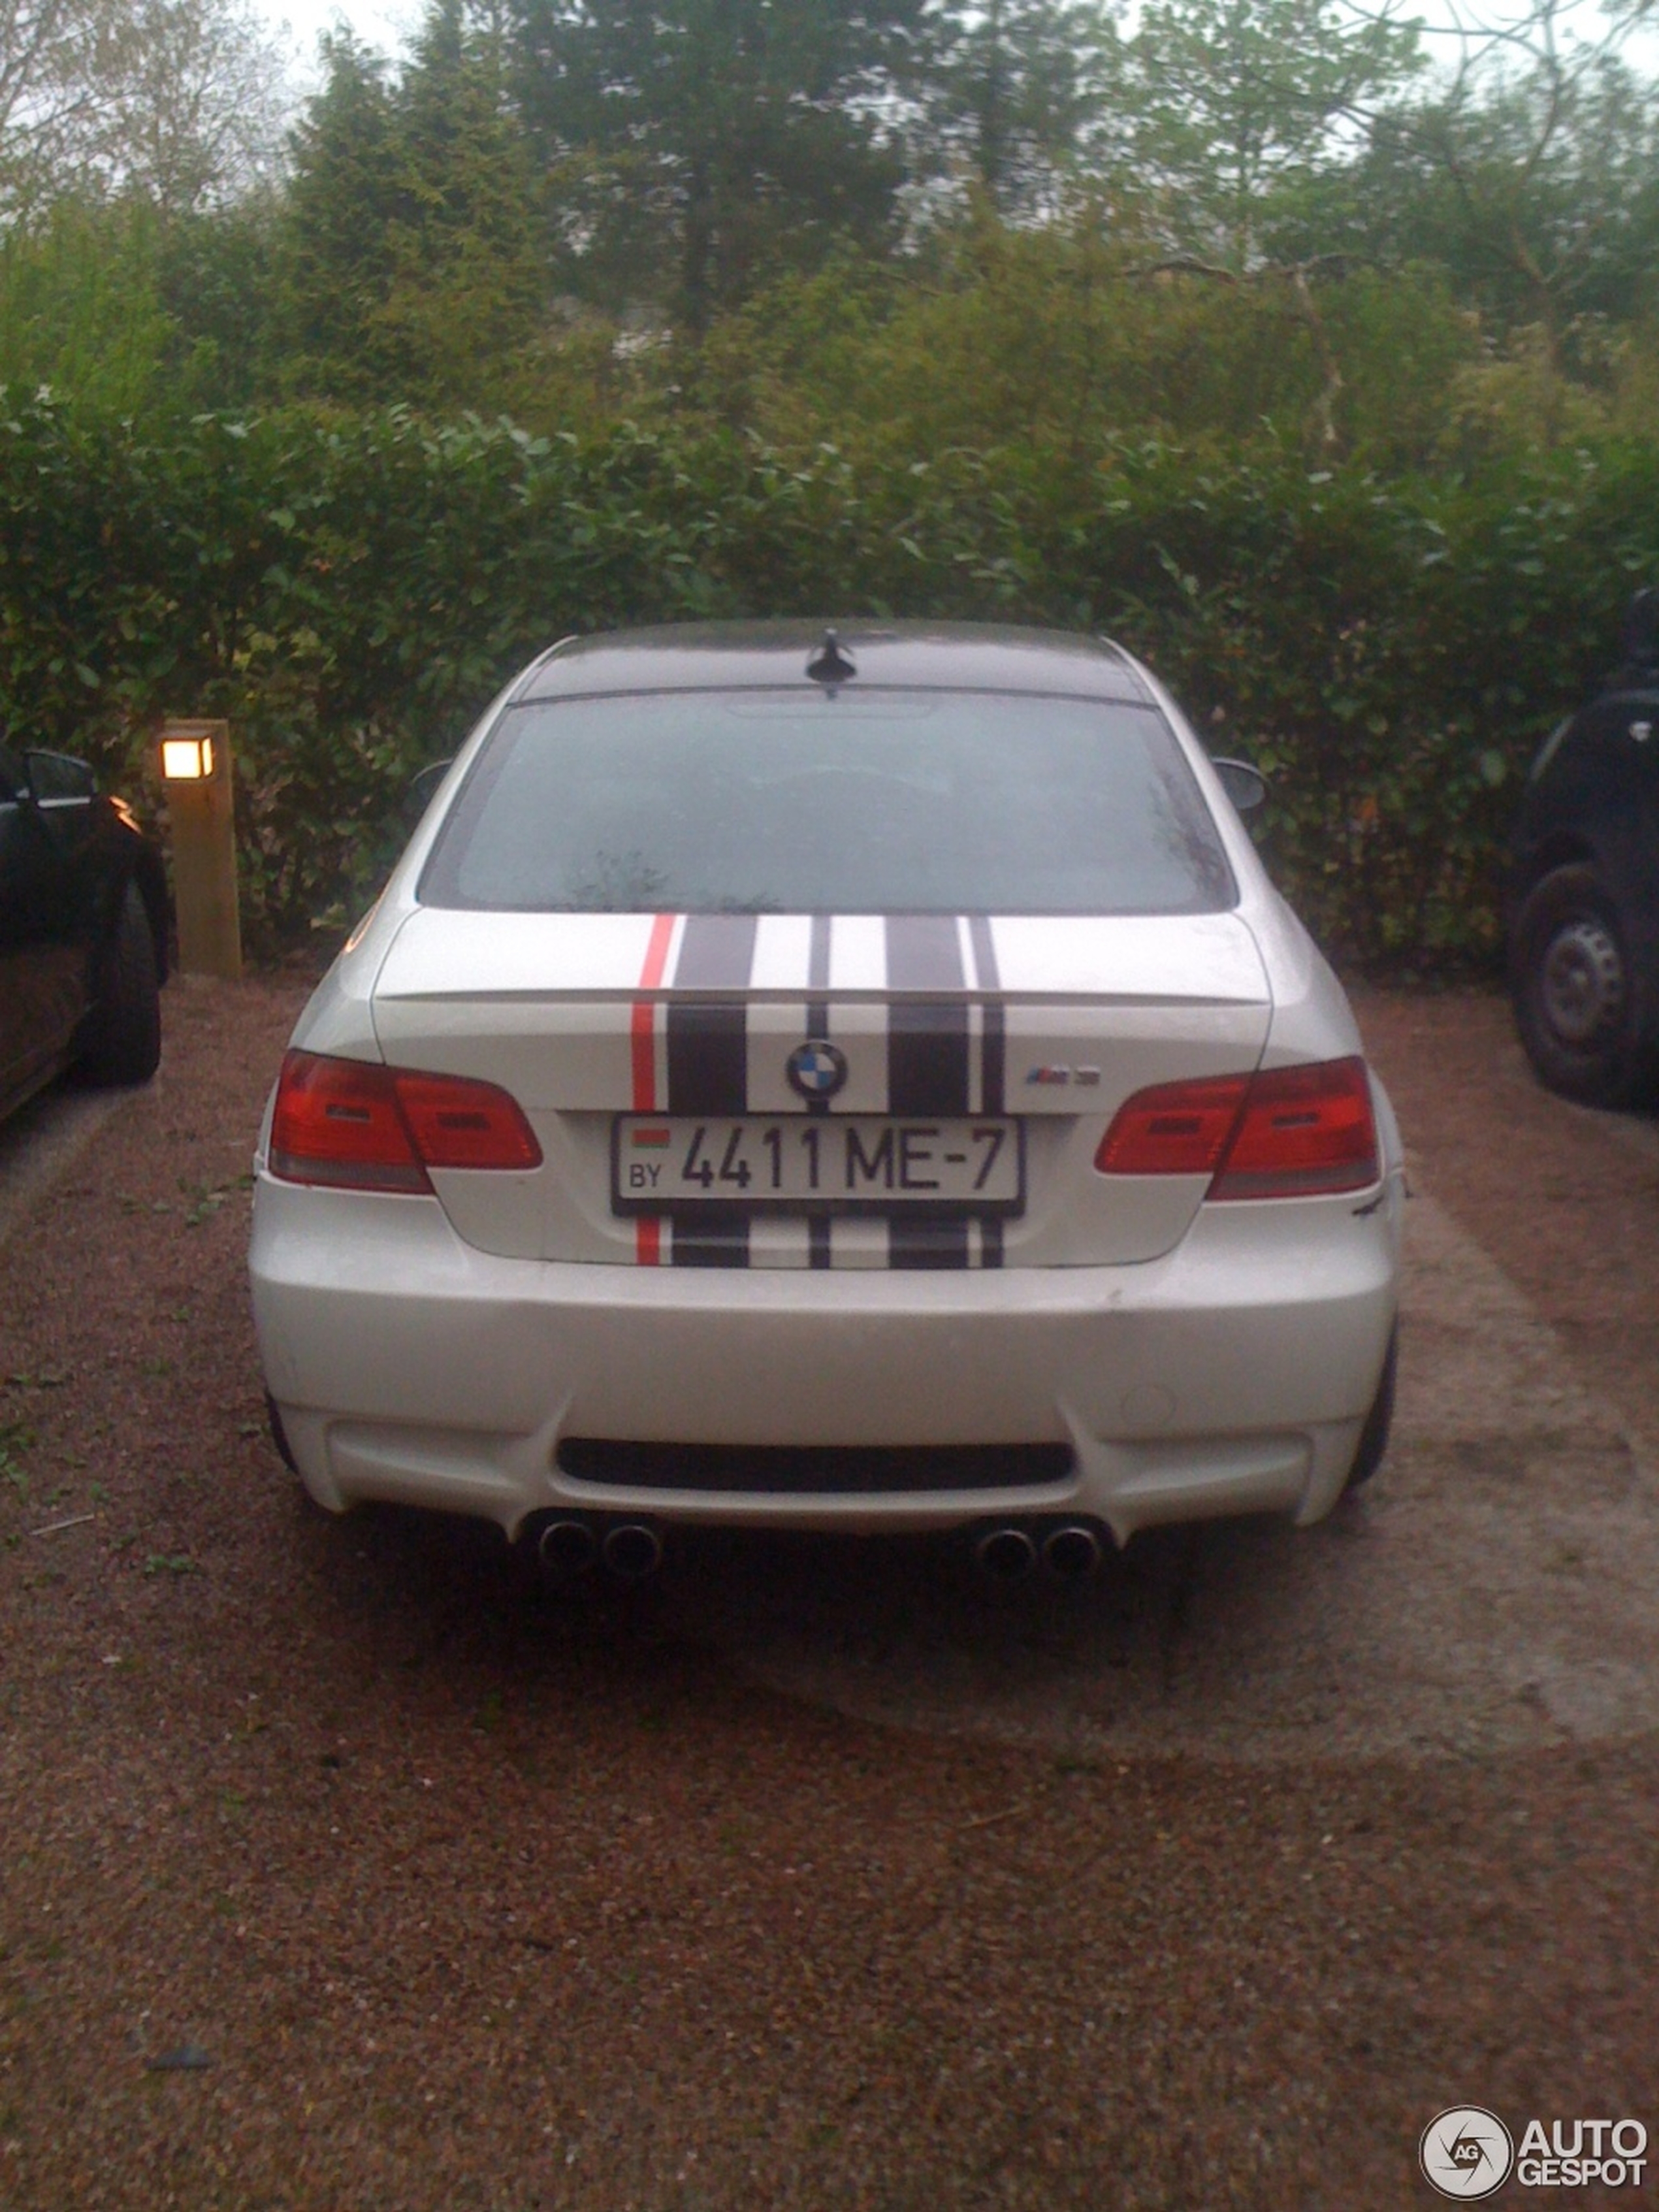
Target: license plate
x=817, y=1163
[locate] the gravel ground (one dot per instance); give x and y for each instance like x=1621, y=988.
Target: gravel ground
x=342, y=1868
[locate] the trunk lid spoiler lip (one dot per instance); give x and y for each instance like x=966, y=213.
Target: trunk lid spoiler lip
x=519, y=959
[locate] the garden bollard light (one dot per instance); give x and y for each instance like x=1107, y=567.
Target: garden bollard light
x=195, y=758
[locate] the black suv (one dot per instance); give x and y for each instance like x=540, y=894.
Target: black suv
x=1583, y=905
x=83, y=930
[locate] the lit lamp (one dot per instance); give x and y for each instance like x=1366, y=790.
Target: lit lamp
x=186, y=760
x=195, y=759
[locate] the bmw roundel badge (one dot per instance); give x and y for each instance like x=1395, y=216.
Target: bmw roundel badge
x=817, y=1069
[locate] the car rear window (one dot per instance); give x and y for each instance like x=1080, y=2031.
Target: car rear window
x=881, y=802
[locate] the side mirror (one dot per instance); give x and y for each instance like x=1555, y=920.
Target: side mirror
x=55, y=778
x=1245, y=786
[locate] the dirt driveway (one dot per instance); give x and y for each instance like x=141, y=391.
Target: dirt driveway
x=340, y=1870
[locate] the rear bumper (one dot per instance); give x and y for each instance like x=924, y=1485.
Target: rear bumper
x=1231, y=1375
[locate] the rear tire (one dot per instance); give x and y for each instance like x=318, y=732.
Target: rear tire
x=123, y=1043
x=1374, y=1437
x=1577, y=999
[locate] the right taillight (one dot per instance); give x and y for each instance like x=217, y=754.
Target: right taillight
x=1282, y=1132
x=357, y=1124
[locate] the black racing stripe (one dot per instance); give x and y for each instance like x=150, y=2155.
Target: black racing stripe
x=817, y=1025
x=818, y=1240
x=717, y=952
x=818, y=957
x=995, y=1059
x=994, y=1050
x=927, y=1059
x=708, y=1060
x=990, y=1231
x=708, y=1065
x=927, y=1045
x=924, y=952
x=700, y=1243
x=925, y=1243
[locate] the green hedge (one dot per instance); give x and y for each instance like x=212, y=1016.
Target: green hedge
x=349, y=590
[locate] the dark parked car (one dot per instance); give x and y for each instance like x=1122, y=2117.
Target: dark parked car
x=1583, y=888
x=83, y=930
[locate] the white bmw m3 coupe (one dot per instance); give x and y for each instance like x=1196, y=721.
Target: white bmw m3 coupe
x=849, y=1081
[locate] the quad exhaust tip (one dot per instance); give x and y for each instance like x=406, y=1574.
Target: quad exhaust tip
x=632, y=1551
x=1005, y=1554
x=569, y=1548
x=1072, y=1553
x=566, y=1549
x=1070, y=1550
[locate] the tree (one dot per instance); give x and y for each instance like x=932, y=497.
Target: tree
x=469, y=245
x=418, y=257
x=1017, y=87
x=700, y=141
x=54, y=58
x=344, y=195
x=176, y=100
x=195, y=107
x=1538, y=173
x=214, y=271
x=1224, y=104
x=81, y=309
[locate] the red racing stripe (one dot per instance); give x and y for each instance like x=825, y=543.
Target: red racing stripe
x=648, y=1230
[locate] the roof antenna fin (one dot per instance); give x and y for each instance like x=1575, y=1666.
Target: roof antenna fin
x=830, y=665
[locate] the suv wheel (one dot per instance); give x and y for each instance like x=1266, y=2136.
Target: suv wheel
x=1576, y=997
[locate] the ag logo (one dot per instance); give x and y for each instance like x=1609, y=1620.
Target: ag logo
x=816, y=1069
x=1466, y=2152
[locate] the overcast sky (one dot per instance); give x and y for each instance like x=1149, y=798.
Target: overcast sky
x=381, y=23
x=385, y=23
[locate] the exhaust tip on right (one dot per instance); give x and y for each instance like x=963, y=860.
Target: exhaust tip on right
x=1072, y=1553
x=1005, y=1554
x=632, y=1551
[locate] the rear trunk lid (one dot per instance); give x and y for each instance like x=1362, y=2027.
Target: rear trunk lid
x=1040, y=1026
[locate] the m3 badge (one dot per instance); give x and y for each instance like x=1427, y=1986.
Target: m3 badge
x=1085, y=1078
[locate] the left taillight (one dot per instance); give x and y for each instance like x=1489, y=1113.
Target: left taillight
x=358, y=1126
x=1282, y=1132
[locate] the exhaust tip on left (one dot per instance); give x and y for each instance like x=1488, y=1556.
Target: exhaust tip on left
x=566, y=1549
x=1004, y=1554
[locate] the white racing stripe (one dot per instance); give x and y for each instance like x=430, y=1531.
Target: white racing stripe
x=859, y=1244
x=858, y=954
x=783, y=951
x=778, y=1241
